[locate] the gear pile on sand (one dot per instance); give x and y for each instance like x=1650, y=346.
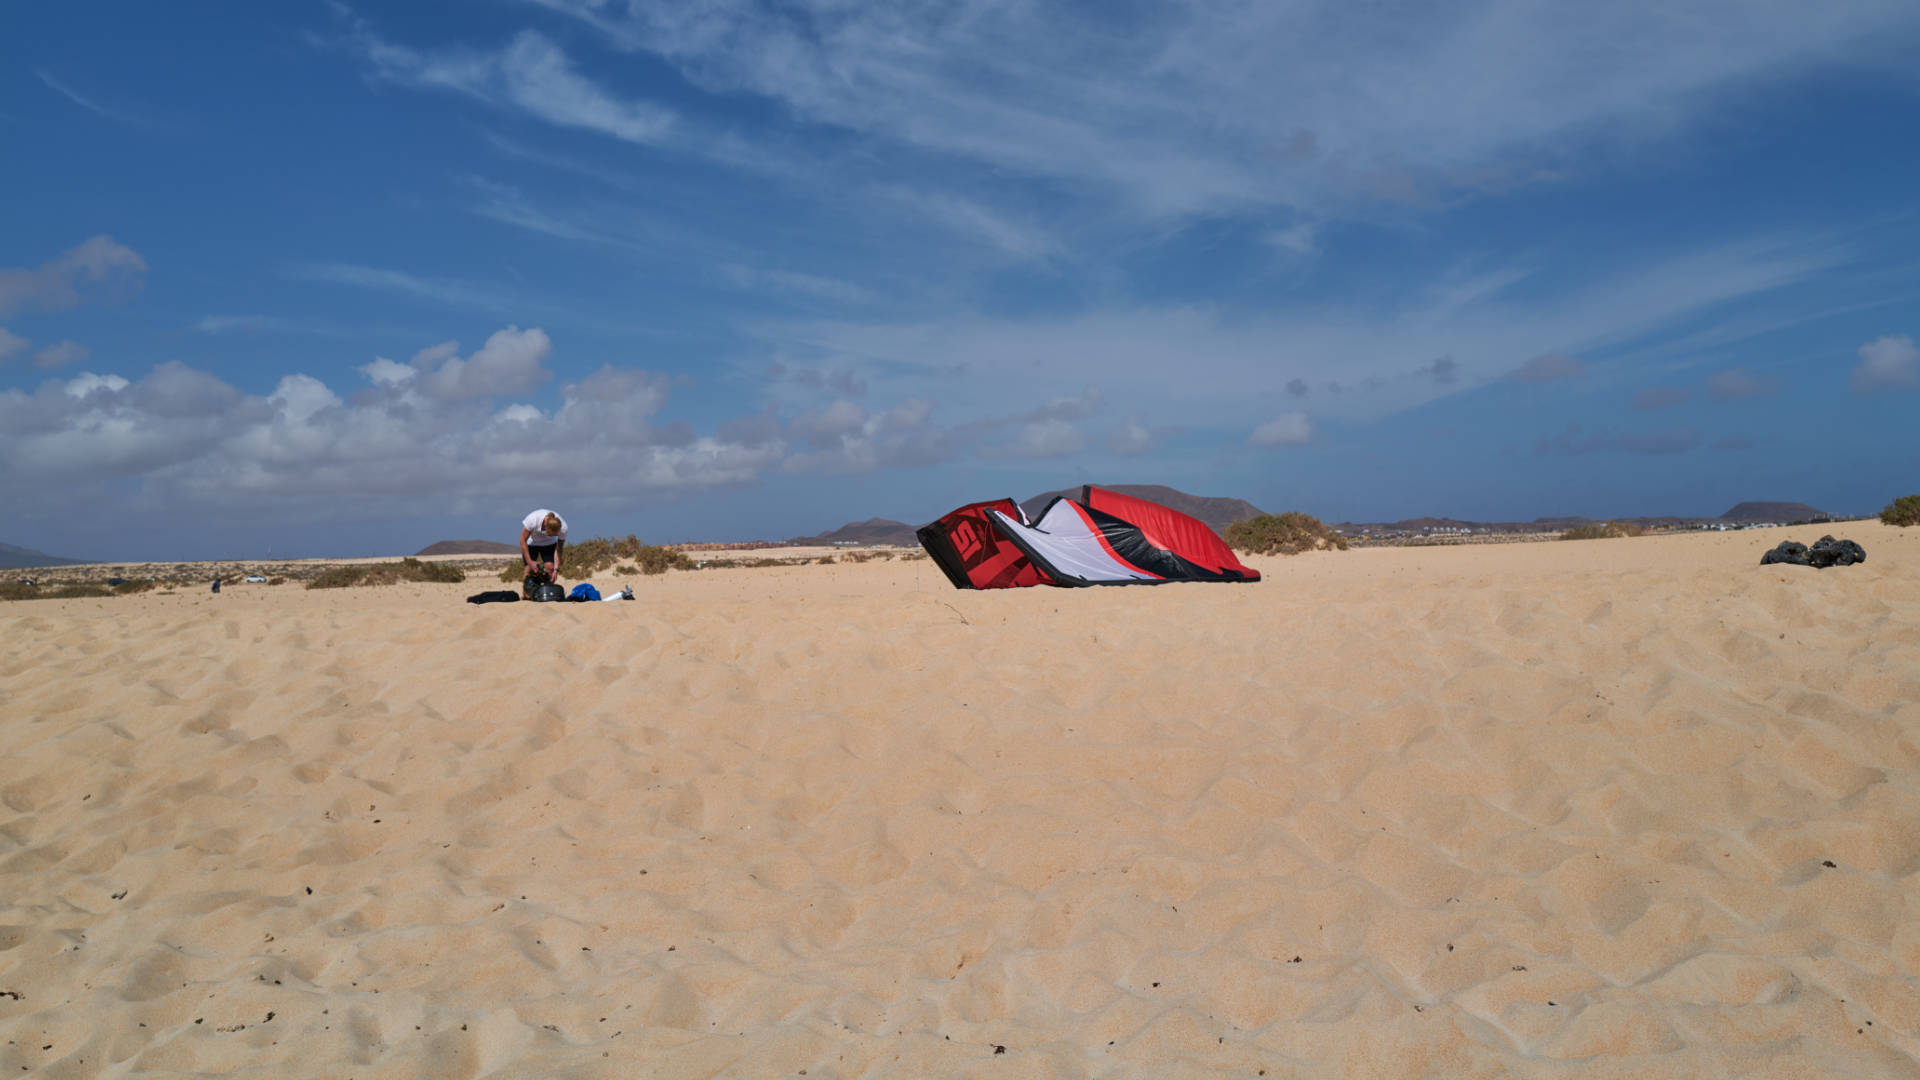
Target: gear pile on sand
x=1825, y=552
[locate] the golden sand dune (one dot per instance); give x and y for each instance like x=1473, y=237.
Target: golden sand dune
x=1621, y=808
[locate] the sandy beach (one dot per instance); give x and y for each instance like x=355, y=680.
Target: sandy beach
x=1619, y=808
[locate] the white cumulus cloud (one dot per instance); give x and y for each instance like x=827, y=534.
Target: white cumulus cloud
x=98, y=269
x=61, y=354
x=1131, y=437
x=1048, y=439
x=186, y=440
x=87, y=382
x=1887, y=363
x=1287, y=429
x=509, y=363
x=11, y=343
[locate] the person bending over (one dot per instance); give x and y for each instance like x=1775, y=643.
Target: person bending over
x=543, y=536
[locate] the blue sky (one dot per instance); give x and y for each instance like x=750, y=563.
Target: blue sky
x=353, y=278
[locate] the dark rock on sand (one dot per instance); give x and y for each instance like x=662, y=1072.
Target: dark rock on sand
x=1825, y=552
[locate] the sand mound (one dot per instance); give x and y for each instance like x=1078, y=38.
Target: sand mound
x=1634, y=808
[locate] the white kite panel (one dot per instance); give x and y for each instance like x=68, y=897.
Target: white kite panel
x=1066, y=544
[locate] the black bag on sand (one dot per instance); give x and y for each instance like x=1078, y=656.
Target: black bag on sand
x=498, y=596
x=547, y=593
x=1825, y=552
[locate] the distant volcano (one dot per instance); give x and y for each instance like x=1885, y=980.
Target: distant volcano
x=1217, y=512
x=468, y=547
x=871, y=531
x=12, y=557
x=1773, y=511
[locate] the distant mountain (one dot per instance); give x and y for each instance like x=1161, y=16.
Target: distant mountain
x=871, y=531
x=468, y=547
x=1420, y=524
x=1217, y=512
x=1747, y=513
x=1773, y=511
x=11, y=557
x=1455, y=525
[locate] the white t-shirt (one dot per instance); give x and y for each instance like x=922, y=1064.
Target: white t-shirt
x=532, y=523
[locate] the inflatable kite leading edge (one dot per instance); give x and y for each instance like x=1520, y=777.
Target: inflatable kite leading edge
x=1103, y=538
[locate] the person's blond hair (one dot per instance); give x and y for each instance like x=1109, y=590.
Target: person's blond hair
x=551, y=525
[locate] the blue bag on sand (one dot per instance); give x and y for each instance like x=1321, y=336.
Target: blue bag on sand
x=584, y=591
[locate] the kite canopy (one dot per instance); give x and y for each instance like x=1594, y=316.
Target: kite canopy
x=1102, y=538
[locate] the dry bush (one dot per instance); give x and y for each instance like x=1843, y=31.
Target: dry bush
x=589, y=557
x=411, y=569
x=1608, y=530
x=659, y=560
x=1904, y=510
x=1283, y=534
x=408, y=569
x=13, y=591
x=276, y=581
x=626, y=570
x=586, y=558
x=337, y=577
x=127, y=587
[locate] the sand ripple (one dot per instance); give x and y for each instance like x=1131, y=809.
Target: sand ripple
x=1622, y=808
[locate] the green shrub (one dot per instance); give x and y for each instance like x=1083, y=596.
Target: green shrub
x=1904, y=510
x=1604, y=531
x=408, y=569
x=1283, y=534
x=126, y=587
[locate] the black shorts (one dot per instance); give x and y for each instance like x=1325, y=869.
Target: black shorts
x=543, y=553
